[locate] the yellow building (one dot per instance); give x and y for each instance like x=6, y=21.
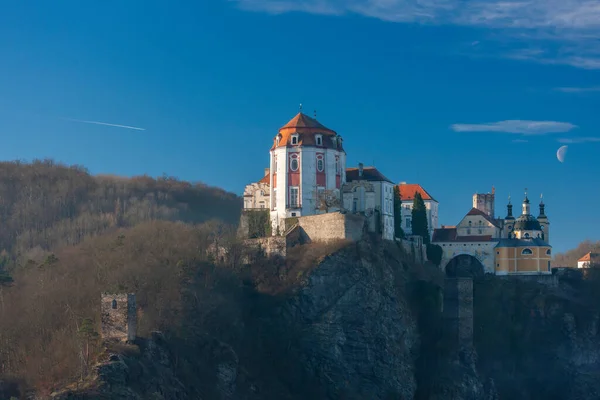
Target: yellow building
x=525, y=251
x=481, y=243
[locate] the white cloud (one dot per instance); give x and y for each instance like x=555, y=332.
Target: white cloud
x=546, y=31
x=579, y=140
x=520, y=141
x=517, y=126
x=578, y=89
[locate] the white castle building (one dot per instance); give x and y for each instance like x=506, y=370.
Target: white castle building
x=307, y=175
x=408, y=191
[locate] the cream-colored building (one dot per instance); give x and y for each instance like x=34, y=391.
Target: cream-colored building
x=257, y=194
x=367, y=191
x=481, y=243
x=407, y=193
x=589, y=260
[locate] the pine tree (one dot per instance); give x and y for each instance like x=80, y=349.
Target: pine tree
x=419, y=218
x=398, y=213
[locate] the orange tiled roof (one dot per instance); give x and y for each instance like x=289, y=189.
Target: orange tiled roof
x=589, y=256
x=306, y=128
x=408, y=190
x=266, y=179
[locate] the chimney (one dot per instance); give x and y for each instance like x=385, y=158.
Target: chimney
x=403, y=183
x=267, y=171
x=360, y=169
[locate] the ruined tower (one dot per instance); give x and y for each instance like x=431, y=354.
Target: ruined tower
x=119, y=316
x=485, y=202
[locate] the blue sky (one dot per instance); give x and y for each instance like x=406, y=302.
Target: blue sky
x=457, y=98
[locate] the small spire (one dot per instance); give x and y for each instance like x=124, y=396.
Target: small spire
x=300, y=107
x=542, y=198
x=315, y=114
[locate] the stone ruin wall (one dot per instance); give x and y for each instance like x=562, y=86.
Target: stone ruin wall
x=332, y=226
x=119, y=323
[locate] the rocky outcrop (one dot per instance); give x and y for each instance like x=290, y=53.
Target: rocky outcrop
x=353, y=334
x=149, y=375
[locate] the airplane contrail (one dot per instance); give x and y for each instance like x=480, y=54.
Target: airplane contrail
x=106, y=124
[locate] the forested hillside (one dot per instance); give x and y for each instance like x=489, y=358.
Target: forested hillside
x=45, y=205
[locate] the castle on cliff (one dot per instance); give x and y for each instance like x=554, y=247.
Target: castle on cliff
x=482, y=243
x=308, y=187
x=307, y=176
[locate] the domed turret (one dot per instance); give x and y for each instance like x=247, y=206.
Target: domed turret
x=307, y=161
x=527, y=226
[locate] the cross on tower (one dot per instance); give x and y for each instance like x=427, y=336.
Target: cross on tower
x=300, y=107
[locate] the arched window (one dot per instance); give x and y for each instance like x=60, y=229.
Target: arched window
x=114, y=304
x=320, y=163
x=527, y=252
x=527, y=236
x=294, y=163
x=548, y=252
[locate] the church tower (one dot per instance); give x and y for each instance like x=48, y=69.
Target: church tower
x=543, y=219
x=527, y=226
x=509, y=221
x=307, y=159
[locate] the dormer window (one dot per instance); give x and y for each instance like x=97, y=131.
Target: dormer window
x=294, y=139
x=277, y=139
x=319, y=140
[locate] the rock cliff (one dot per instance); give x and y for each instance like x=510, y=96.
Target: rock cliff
x=365, y=323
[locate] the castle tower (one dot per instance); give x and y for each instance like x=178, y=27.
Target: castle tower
x=119, y=317
x=509, y=221
x=527, y=226
x=485, y=202
x=543, y=219
x=307, y=158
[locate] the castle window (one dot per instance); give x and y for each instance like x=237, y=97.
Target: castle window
x=527, y=252
x=548, y=252
x=294, y=139
x=294, y=197
x=319, y=140
x=320, y=163
x=114, y=304
x=294, y=163
x=527, y=236
x=468, y=230
x=480, y=231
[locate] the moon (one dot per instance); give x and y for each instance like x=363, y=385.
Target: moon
x=560, y=154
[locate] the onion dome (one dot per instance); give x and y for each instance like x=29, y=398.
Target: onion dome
x=527, y=222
